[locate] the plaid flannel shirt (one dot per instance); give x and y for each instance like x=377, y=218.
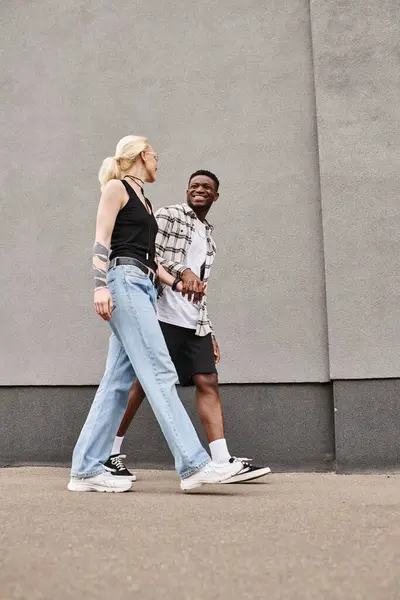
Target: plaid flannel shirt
x=175, y=230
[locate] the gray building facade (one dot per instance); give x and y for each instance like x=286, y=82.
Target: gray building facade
x=295, y=106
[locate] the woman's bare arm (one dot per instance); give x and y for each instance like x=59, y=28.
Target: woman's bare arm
x=165, y=277
x=111, y=202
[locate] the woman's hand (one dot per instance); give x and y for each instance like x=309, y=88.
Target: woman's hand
x=103, y=303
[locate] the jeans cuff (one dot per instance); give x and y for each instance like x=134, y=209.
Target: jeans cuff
x=194, y=470
x=86, y=475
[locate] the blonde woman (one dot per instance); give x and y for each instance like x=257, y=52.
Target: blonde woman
x=125, y=296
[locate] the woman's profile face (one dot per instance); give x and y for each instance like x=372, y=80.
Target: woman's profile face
x=150, y=159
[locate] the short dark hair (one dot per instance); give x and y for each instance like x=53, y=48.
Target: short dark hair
x=207, y=174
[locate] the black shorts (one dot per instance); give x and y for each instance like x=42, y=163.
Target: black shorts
x=190, y=353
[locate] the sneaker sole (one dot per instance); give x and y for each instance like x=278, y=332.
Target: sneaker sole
x=196, y=484
x=248, y=476
x=87, y=487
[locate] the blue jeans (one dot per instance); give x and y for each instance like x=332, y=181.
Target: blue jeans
x=137, y=349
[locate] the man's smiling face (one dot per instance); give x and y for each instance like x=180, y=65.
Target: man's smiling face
x=202, y=192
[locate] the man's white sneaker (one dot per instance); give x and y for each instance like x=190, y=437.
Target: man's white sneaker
x=213, y=472
x=105, y=482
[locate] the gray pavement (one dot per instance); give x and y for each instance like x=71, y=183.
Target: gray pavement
x=289, y=536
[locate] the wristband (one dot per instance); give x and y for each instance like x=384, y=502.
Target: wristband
x=177, y=280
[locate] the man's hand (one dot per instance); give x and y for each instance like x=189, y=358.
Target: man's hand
x=192, y=286
x=103, y=303
x=217, y=354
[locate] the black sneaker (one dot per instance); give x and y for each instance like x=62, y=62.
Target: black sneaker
x=116, y=467
x=248, y=473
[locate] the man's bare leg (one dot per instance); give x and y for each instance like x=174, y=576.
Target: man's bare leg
x=136, y=397
x=209, y=407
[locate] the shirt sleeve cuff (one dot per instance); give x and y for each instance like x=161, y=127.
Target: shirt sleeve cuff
x=180, y=269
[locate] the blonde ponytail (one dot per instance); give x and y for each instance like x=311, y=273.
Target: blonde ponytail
x=109, y=170
x=127, y=151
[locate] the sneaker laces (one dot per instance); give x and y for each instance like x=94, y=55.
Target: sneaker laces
x=117, y=462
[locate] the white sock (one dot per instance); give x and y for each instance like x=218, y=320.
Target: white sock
x=219, y=450
x=116, y=449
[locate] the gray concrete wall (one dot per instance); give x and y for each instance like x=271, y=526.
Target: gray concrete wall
x=226, y=86
x=357, y=75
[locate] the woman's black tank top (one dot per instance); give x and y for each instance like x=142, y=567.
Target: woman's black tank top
x=135, y=231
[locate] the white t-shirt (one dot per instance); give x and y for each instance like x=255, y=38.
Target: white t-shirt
x=172, y=307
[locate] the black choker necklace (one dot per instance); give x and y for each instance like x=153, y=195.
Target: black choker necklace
x=136, y=179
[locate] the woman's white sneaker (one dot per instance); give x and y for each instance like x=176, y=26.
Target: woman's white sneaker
x=105, y=482
x=213, y=472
